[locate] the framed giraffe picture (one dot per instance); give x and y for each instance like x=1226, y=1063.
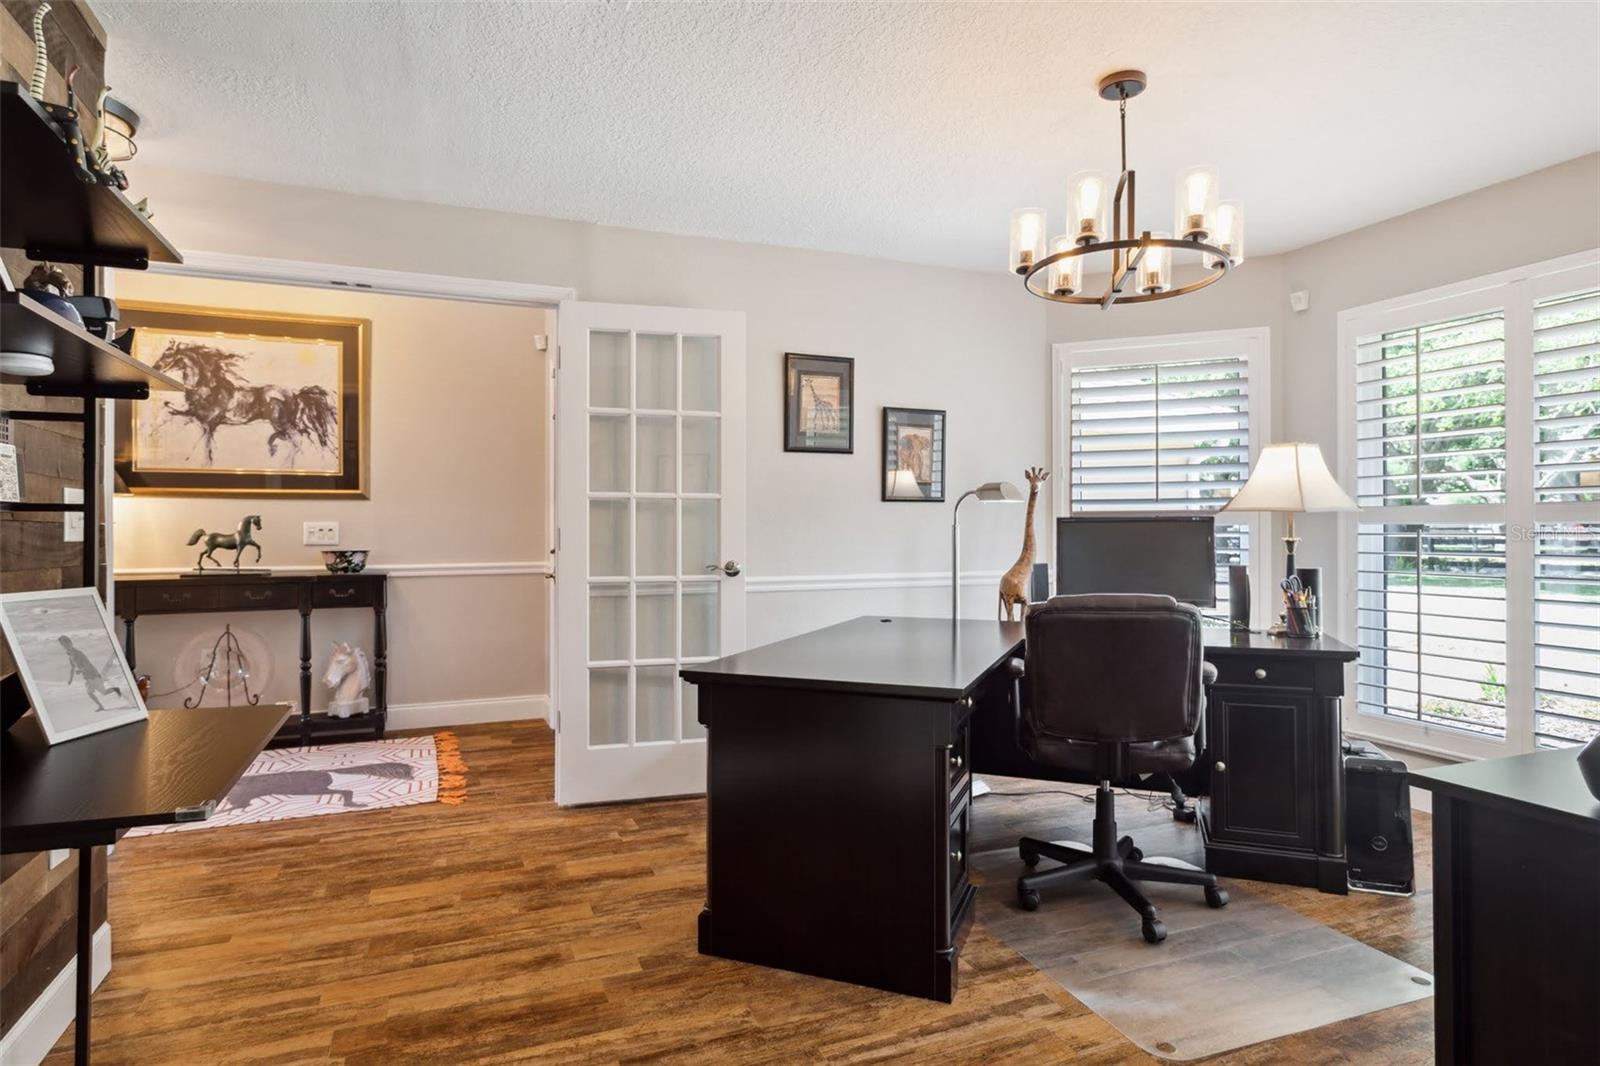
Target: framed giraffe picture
x=819, y=403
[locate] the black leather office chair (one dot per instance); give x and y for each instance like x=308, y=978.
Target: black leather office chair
x=1116, y=687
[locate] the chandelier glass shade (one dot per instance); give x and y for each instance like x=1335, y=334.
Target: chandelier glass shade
x=1141, y=263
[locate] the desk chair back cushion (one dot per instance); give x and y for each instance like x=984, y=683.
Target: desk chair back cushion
x=1114, y=682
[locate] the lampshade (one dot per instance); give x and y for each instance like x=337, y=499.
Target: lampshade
x=1290, y=477
x=1086, y=206
x=122, y=124
x=1027, y=239
x=1065, y=276
x=1195, y=213
x=998, y=490
x=1155, y=269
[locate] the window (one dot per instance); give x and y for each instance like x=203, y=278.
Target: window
x=1164, y=424
x=1474, y=440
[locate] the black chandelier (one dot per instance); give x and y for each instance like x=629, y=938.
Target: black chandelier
x=1140, y=261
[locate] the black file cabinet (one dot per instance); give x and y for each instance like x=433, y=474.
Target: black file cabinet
x=1276, y=806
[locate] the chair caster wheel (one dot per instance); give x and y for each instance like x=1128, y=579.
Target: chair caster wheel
x=1216, y=897
x=1154, y=931
x=1027, y=898
x=1183, y=814
x=1030, y=859
x=1134, y=855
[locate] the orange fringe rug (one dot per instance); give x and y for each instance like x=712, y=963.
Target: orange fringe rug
x=452, y=768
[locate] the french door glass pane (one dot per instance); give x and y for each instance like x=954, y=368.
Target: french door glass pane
x=701, y=618
x=692, y=729
x=608, y=623
x=654, y=711
x=658, y=374
x=658, y=542
x=608, y=453
x=657, y=636
x=608, y=538
x=658, y=453
x=701, y=454
x=608, y=369
x=702, y=375
x=700, y=546
x=608, y=706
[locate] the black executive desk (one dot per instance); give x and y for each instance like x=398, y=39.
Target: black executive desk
x=1516, y=910
x=839, y=786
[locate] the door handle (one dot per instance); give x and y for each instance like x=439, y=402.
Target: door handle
x=730, y=568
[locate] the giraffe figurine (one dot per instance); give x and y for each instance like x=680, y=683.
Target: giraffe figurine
x=1014, y=583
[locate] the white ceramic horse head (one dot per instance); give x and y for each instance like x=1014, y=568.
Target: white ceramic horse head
x=349, y=673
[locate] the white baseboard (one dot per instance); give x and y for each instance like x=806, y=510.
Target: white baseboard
x=467, y=712
x=42, y=1024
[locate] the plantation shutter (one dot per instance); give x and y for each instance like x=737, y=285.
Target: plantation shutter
x=1566, y=398
x=1163, y=436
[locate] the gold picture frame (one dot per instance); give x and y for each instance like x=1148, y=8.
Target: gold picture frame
x=276, y=404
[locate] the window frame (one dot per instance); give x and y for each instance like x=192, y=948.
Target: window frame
x=1254, y=343
x=1514, y=292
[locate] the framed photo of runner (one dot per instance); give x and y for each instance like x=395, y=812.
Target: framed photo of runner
x=70, y=662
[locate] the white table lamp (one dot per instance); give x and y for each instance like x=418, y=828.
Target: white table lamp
x=1290, y=478
x=988, y=492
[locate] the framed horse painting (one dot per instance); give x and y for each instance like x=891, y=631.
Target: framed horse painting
x=272, y=405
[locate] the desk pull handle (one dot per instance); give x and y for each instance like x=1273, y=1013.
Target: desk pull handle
x=1221, y=767
x=955, y=759
x=256, y=597
x=341, y=594
x=1261, y=674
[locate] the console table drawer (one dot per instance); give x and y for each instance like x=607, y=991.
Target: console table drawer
x=259, y=597
x=1267, y=671
x=341, y=594
x=180, y=598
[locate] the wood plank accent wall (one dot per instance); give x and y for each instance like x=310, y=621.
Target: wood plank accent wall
x=37, y=916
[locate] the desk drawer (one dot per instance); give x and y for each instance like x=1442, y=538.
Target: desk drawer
x=259, y=597
x=1267, y=671
x=341, y=594
x=959, y=761
x=960, y=827
x=176, y=598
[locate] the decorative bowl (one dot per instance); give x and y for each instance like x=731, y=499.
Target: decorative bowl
x=345, y=560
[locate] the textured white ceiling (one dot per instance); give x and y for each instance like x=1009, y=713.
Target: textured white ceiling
x=908, y=131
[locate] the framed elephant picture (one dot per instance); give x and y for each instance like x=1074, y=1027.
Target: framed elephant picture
x=272, y=404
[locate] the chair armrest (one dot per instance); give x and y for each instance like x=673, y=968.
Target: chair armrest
x=1017, y=668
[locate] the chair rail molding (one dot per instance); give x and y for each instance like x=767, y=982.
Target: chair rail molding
x=465, y=569
x=909, y=579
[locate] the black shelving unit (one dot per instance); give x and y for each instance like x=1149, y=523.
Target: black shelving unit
x=55, y=210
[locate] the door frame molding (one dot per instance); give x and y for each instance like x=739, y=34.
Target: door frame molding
x=226, y=266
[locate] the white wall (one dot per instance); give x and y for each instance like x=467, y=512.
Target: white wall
x=972, y=344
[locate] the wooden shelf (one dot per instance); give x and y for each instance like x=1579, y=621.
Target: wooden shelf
x=51, y=211
x=85, y=364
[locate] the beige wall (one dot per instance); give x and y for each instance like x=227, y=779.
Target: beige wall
x=458, y=478
x=969, y=342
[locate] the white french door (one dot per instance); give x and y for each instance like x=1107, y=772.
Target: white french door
x=650, y=515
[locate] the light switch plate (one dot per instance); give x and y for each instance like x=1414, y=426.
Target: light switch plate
x=322, y=534
x=72, y=522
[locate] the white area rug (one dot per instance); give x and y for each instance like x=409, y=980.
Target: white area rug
x=367, y=775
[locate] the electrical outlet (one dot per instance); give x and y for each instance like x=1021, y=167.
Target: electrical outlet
x=72, y=521
x=322, y=534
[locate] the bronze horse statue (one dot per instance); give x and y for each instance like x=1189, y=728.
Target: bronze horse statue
x=234, y=542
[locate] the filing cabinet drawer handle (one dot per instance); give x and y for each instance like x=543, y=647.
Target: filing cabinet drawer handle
x=1261, y=674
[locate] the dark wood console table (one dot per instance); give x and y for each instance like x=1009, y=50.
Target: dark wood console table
x=175, y=766
x=225, y=592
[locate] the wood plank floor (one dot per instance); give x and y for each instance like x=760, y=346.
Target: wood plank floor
x=508, y=930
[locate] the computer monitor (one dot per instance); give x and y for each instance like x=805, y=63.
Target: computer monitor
x=1171, y=554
